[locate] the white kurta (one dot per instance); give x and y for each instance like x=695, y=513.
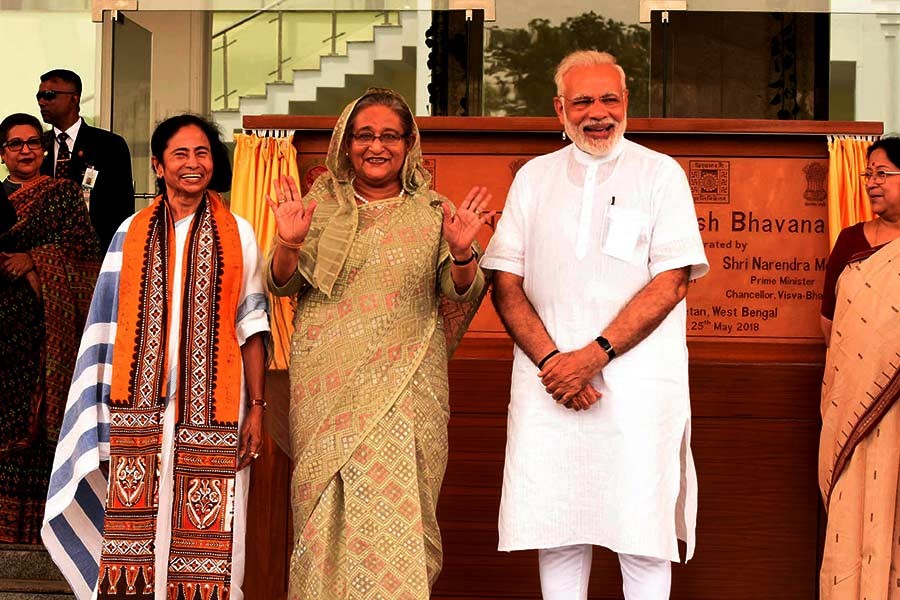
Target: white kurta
x=252, y=319
x=72, y=530
x=620, y=474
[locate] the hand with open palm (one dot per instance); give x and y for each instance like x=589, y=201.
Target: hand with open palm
x=292, y=219
x=460, y=229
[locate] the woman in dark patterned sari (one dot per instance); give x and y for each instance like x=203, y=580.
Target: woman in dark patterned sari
x=49, y=260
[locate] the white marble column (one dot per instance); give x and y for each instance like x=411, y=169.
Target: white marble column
x=890, y=29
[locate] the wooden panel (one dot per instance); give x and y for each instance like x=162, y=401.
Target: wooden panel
x=490, y=345
x=520, y=143
x=755, y=433
x=758, y=509
x=269, y=528
x=483, y=125
x=765, y=391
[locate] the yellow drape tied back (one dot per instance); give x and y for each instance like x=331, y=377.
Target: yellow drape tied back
x=258, y=162
x=848, y=203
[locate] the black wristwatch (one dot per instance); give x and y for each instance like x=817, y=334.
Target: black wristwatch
x=607, y=347
x=465, y=261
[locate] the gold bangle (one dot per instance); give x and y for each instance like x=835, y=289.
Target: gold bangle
x=283, y=242
x=258, y=402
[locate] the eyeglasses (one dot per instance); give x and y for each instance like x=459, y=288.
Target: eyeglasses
x=16, y=144
x=52, y=94
x=580, y=103
x=367, y=138
x=877, y=176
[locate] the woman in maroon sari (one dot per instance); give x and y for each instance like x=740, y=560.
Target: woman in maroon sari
x=859, y=451
x=49, y=260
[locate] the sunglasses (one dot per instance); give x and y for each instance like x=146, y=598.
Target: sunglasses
x=52, y=94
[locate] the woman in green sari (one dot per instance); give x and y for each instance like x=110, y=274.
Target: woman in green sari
x=386, y=280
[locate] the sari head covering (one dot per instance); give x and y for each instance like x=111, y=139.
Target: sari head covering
x=335, y=222
x=377, y=318
x=321, y=263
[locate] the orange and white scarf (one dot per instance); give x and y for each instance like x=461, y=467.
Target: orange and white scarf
x=207, y=406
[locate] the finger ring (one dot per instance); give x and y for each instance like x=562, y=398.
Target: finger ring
x=478, y=212
x=254, y=455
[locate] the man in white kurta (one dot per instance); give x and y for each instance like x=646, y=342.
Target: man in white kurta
x=592, y=256
x=74, y=516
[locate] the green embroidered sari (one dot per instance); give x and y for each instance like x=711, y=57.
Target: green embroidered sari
x=377, y=317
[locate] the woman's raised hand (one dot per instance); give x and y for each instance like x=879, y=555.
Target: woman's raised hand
x=461, y=228
x=292, y=219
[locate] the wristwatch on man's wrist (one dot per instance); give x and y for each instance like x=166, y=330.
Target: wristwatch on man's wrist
x=607, y=347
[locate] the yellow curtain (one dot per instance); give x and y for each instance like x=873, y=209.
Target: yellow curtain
x=848, y=203
x=258, y=162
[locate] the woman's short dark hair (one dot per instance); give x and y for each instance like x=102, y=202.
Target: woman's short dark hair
x=381, y=97
x=16, y=119
x=891, y=147
x=221, y=176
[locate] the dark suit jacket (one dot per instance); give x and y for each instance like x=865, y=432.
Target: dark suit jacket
x=112, y=199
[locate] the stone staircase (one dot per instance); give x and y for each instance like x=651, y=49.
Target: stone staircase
x=331, y=100
x=27, y=573
x=391, y=52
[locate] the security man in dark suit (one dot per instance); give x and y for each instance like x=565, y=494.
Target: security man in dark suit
x=94, y=158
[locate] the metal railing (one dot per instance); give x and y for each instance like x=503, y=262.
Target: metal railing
x=226, y=93
x=224, y=39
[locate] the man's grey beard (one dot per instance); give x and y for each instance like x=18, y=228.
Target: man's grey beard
x=591, y=146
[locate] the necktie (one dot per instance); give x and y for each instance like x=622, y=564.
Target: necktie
x=63, y=158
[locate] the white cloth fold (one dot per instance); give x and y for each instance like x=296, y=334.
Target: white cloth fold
x=73, y=519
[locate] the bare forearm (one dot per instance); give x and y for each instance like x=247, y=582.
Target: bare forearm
x=566, y=375
x=253, y=353
x=647, y=309
x=519, y=317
